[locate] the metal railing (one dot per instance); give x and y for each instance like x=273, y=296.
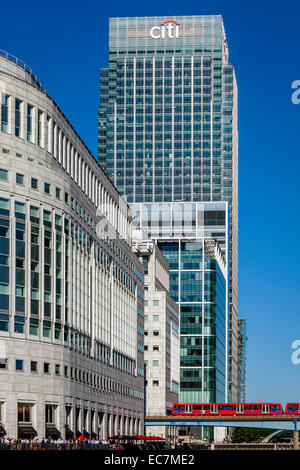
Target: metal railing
x=199, y=417
x=23, y=65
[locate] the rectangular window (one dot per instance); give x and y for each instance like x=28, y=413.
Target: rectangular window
x=58, y=191
x=3, y=363
x=46, y=368
x=24, y=413
x=19, y=179
x=47, y=188
x=34, y=183
x=3, y=175
x=40, y=128
x=4, y=113
x=19, y=364
x=34, y=326
x=49, y=135
x=18, y=115
x=19, y=324
x=50, y=414
x=47, y=324
x=34, y=215
x=20, y=210
x=4, y=319
x=29, y=123
x=4, y=207
x=33, y=366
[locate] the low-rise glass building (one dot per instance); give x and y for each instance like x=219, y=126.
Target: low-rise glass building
x=193, y=237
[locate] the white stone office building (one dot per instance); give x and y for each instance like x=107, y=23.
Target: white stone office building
x=71, y=289
x=161, y=341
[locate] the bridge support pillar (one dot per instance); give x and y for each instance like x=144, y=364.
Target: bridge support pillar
x=296, y=437
x=296, y=440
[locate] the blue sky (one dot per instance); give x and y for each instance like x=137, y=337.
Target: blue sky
x=66, y=43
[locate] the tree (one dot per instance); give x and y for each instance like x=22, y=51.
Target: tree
x=249, y=434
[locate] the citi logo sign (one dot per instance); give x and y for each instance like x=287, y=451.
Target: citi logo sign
x=167, y=29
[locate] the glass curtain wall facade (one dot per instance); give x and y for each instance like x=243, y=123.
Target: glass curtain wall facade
x=199, y=286
x=168, y=121
x=242, y=338
x=198, y=283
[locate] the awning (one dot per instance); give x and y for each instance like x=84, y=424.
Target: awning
x=150, y=438
x=26, y=432
x=93, y=435
x=52, y=432
x=122, y=437
x=85, y=434
x=2, y=431
x=69, y=433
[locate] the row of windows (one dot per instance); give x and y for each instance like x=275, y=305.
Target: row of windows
x=79, y=375
x=154, y=317
x=20, y=179
x=35, y=327
x=50, y=137
x=151, y=52
x=205, y=61
x=155, y=383
x=155, y=347
x=207, y=64
x=178, y=127
x=154, y=333
x=155, y=363
x=155, y=303
x=47, y=188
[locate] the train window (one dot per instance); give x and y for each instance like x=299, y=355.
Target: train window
x=275, y=408
x=292, y=407
x=178, y=408
x=226, y=407
x=253, y=407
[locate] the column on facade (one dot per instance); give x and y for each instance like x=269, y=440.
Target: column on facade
x=40, y=419
x=125, y=425
x=121, y=419
x=61, y=418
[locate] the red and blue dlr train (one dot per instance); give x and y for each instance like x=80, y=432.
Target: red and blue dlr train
x=233, y=409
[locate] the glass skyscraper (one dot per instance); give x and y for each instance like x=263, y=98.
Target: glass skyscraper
x=168, y=125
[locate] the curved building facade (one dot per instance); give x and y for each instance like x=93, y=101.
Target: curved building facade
x=71, y=289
